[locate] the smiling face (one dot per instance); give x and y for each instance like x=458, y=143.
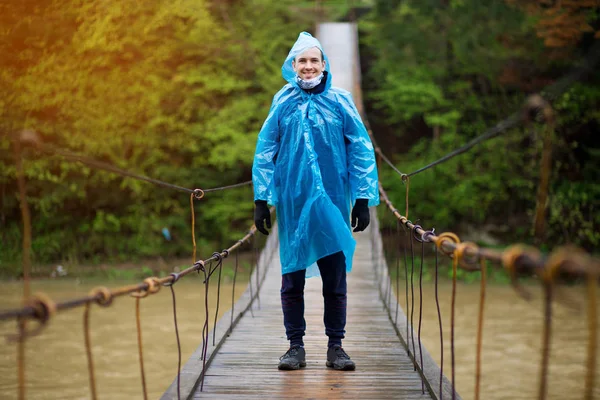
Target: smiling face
x=309, y=64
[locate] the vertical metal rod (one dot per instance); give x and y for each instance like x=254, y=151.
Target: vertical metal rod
x=178, y=343
x=480, y=327
x=406, y=289
x=412, y=299
x=138, y=322
x=26, y=217
x=397, y=246
x=592, y=317
x=452, y=308
x=220, y=266
x=437, y=303
x=250, y=278
x=233, y=290
x=546, y=340
x=421, y=312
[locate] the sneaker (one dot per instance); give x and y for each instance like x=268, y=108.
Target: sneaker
x=294, y=358
x=338, y=359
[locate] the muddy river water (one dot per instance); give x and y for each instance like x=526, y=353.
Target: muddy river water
x=57, y=366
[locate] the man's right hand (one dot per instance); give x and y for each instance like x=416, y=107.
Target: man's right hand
x=262, y=214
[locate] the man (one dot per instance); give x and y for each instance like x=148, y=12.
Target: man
x=313, y=160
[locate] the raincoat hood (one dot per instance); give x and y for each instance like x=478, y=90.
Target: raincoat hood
x=304, y=42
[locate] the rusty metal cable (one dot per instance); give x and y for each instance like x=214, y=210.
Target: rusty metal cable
x=546, y=340
x=235, y=271
x=206, y=318
x=421, y=312
x=389, y=285
x=550, y=93
x=170, y=285
x=397, y=247
x=445, y=237
x=153, y=286
x=21, y=324
x=510, y=122
x=236, y=185
x=592, y=317
x=406, y=291
x=406, y=179
x=220, y=268
x=452, y=308
x=437, y=303
x=138, y=324
x=384, y=158
x=250, y=279
x=526, y=258
x=257, y=258
x=480, y=326
x=193, y=228
x=204, y=331
x=104, y=299
x=88, y=351
x=26, y=263
x=412, y=300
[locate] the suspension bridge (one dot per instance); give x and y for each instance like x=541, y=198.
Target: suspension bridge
x=238, y=355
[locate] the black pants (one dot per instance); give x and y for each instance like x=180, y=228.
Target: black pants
x=333, y=274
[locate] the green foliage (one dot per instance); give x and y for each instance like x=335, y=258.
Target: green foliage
x=173, y=90
x=441, y=73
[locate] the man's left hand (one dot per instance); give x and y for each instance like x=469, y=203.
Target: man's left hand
x=360, y=215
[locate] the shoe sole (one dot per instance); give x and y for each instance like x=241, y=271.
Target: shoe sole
x=348, y=367
x=291, y=367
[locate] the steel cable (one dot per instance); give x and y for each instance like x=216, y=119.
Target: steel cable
x=233, y=290
x=406, y=290
x=421, y=312
x=257, y=257
x=480, y=326
x=502, y=126
x=250, y=280
x=412, y=300
x=397, y=247
x=33, y=139
x=546, y=340
x=592, y=317
x=88, y=351
x=550, y=93
x=437, y=303
x=138, y=324
x=204, y=331
x=178, y=342
x=220, y=268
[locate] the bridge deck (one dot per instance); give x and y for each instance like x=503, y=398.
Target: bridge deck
x=245, y=367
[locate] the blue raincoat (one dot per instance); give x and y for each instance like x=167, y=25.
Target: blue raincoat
x=313, y=159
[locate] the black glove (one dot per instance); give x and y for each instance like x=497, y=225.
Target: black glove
x=262, y=213
x=360, y=215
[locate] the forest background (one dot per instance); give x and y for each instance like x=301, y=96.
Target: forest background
x=178, y=91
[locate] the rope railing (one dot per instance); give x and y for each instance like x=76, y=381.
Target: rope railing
x=41, y=305
x=40, y=308
x=518, y=260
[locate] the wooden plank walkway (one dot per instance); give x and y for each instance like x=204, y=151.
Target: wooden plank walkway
x=242, y=364
x=245, y=367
